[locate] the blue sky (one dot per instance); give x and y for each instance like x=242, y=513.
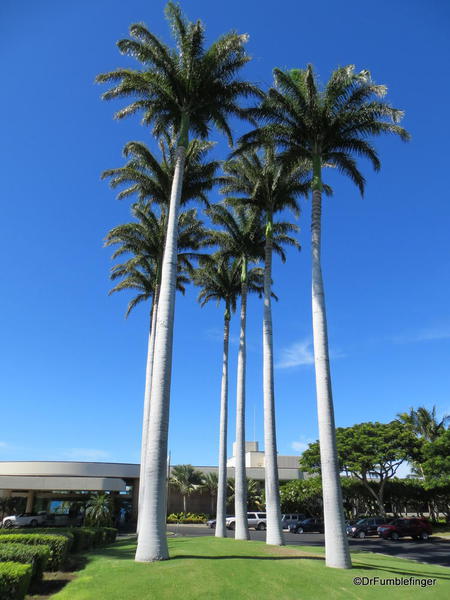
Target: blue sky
x=72, y=366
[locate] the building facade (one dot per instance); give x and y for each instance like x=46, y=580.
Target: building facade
x=55, y=486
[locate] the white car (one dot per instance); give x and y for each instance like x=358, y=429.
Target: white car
x=257, y=520
x=24, y=520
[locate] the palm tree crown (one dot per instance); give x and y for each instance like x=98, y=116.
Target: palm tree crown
x=325, y=127
x=183, y=89
x=144, y=240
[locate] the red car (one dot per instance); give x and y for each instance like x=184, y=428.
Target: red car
x=418, y=529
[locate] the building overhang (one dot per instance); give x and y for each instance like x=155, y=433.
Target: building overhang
x=92, y=484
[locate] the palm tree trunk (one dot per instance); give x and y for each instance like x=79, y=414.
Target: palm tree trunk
x=336, y=543
x=221, y=530
x=147, y=396
x=240, y=489
x=152, y=542
x=274, y=527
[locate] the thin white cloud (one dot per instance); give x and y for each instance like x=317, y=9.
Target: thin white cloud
x=3, y=445
x=301, y=445
x=216, y=335
x=296, y=354
x=427, y=334
x=86, y=454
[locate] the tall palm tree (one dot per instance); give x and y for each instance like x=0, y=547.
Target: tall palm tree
x=186, y=480
x=185, y=89
x=220, y=280
x=271, y=187
x=209, y=484
x=144, y=240
x=242, y=237
x=151, y=180
x=327, y=127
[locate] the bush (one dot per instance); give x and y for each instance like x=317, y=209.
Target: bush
x=59, y=545
x=187, y=518
x=111, y=534
x=14, y=580
x=36, y=556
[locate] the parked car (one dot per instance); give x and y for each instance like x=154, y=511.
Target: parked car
x=257, y=520
x=292, y=519
x=311, y=524
x=24, y=520
x=211, y=523
x=367, y=526
x=397, y=528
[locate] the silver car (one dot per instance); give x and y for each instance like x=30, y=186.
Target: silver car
x=257, y=520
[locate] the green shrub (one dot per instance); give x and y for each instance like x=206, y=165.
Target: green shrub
x=36, y=556
x=111, y=534
x=14, y=580
x=187, y=518
x=59, y=545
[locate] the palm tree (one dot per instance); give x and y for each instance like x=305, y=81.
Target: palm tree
x=209, y=484
x=254, y=494
x=186, y=480
x=151, y=180
x=144, y=240
x=424, y=422
x=326, y=128
x=220, y=280
x=242, y=237
x=187, y=89
x=99, y=511
x=271, y=187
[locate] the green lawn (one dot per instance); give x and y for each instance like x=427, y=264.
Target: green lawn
x=225, y=569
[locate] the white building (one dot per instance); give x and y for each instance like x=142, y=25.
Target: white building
x=44, y=482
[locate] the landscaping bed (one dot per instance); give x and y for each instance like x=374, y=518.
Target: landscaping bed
x=27, y=557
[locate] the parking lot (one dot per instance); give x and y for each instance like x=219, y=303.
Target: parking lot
x=435, y=551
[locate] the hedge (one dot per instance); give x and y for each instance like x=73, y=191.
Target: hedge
x=82, y=538
x=14, y=580
x=37, y=556
x=59, y=545
x=186, y=518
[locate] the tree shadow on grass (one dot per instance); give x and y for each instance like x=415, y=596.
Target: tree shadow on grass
x=245, y=557
x=404, y=572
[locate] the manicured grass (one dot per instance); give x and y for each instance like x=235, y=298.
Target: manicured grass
x=211, y=568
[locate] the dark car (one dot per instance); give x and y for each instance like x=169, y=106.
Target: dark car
x=306, y=525
x=367, y=526
x=418, y=529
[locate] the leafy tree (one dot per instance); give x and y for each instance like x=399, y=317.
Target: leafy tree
x=325, y=127
x=186, y=480
x=261, y=181
x=99, y=511
x=183, y=90
x=302, y=496
x=372, y=452
x=436, y=465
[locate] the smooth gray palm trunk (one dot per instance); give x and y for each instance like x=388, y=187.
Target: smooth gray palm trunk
x=221, y=530
x=336, y=544
x=240, y=490
x=152, y=541
x=274, y=527
x=147, y=397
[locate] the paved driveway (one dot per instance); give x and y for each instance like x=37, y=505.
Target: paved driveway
x=435, y=551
